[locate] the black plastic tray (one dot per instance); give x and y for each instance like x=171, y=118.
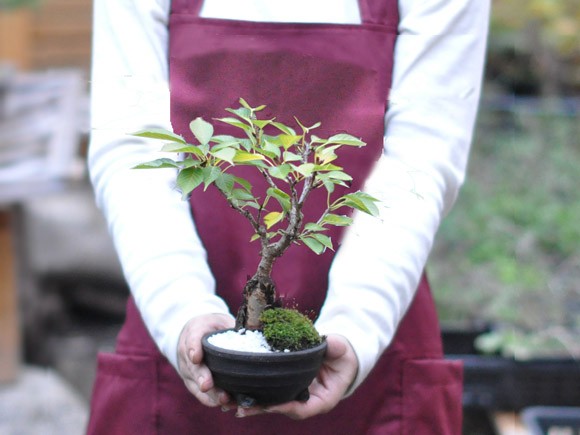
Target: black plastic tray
x=505, y=384
x=542, y=420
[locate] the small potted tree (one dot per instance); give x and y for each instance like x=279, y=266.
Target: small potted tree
x=292, y=164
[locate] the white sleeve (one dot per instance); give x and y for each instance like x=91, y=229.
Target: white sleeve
x=162, y=257
x=439, y=59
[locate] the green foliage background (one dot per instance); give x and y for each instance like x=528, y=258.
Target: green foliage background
x=14, y=4
x=509, y=252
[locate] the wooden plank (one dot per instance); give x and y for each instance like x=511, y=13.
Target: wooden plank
x=16, y=37
x=55, y=45
x=55, y=59
x=69, y=17
x=9, y=318
x=62, y=34
x=60, y=30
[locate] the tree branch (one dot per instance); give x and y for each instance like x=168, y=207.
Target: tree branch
x=255, y=224
x=268, y=178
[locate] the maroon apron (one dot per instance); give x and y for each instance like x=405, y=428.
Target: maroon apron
x=339, y=75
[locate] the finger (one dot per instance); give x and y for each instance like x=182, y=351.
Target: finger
x=249, y=412
x=209, y=398
x=196, y=332
x=200, y=375
x=336, y=349
x=299, y=410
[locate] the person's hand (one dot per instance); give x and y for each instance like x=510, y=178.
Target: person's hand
x=195, y=374
x=337, y=373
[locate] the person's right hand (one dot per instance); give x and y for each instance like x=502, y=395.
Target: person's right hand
x=195, y=374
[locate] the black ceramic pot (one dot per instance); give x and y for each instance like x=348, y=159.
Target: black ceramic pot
x=263, y=378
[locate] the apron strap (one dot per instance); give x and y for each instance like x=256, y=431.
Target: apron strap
x=385, y=12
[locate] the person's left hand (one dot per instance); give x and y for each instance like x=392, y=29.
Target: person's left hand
x=337, y=373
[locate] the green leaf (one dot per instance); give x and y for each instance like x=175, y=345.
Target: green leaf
x=282, y=197
x=261, y=123
x=273, y=218
x=314, y=245
x=178, y=148
x=346, y=139
x=254, y=237
x=337, y=220
x=326, y=154
x=291, y=157
x=242, y=112
x=244, y=204
x=314, y=227
x=236, y=123
x=158, y=164
x=242, y=195
x=284, y=128
x=190, y=162
x=307, y=129
x=204, y=148
x=246, y=144
x=244, y=103
x=339, y=175
x=210, y=174
x=224, y=145
x=226, y=154
x=306, y=169
x=265, y=153
x=327, y=168
x=202, y=130
x=363, y=202
x=304, y=129
x=188, y=179
x=315, y=139
x=280, y=172
x=325, y=240
x=244, y=156
x=273, y=149
x=244, y=183
x=330, y=182
x=329, y=186
x=224, y=138
x=159, y=133
x=184, y=148
x=247, y=106
x=225, y=182
x=286, y=140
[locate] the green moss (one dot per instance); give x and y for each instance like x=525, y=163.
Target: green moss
x=286, y=328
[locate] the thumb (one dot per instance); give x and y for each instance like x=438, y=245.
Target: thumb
x=337, y=347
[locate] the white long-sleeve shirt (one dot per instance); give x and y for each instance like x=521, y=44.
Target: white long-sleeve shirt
x=436, y=86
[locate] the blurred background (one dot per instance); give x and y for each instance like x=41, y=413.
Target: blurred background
x=509, y=253
x=505, y=268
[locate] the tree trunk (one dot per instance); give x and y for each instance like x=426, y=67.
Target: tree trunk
x=259, y=294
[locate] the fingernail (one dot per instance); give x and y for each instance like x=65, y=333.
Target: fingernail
x=190, y=354
x=225, y=409
x=240, y=413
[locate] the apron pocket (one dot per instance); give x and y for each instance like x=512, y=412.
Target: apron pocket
x=432, y=392
x=124, y=395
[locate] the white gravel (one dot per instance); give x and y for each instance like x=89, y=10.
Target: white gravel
x=242, y=340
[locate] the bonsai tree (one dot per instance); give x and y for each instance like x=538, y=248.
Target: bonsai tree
x=292, y=164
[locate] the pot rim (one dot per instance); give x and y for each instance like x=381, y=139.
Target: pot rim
x=264, y=355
